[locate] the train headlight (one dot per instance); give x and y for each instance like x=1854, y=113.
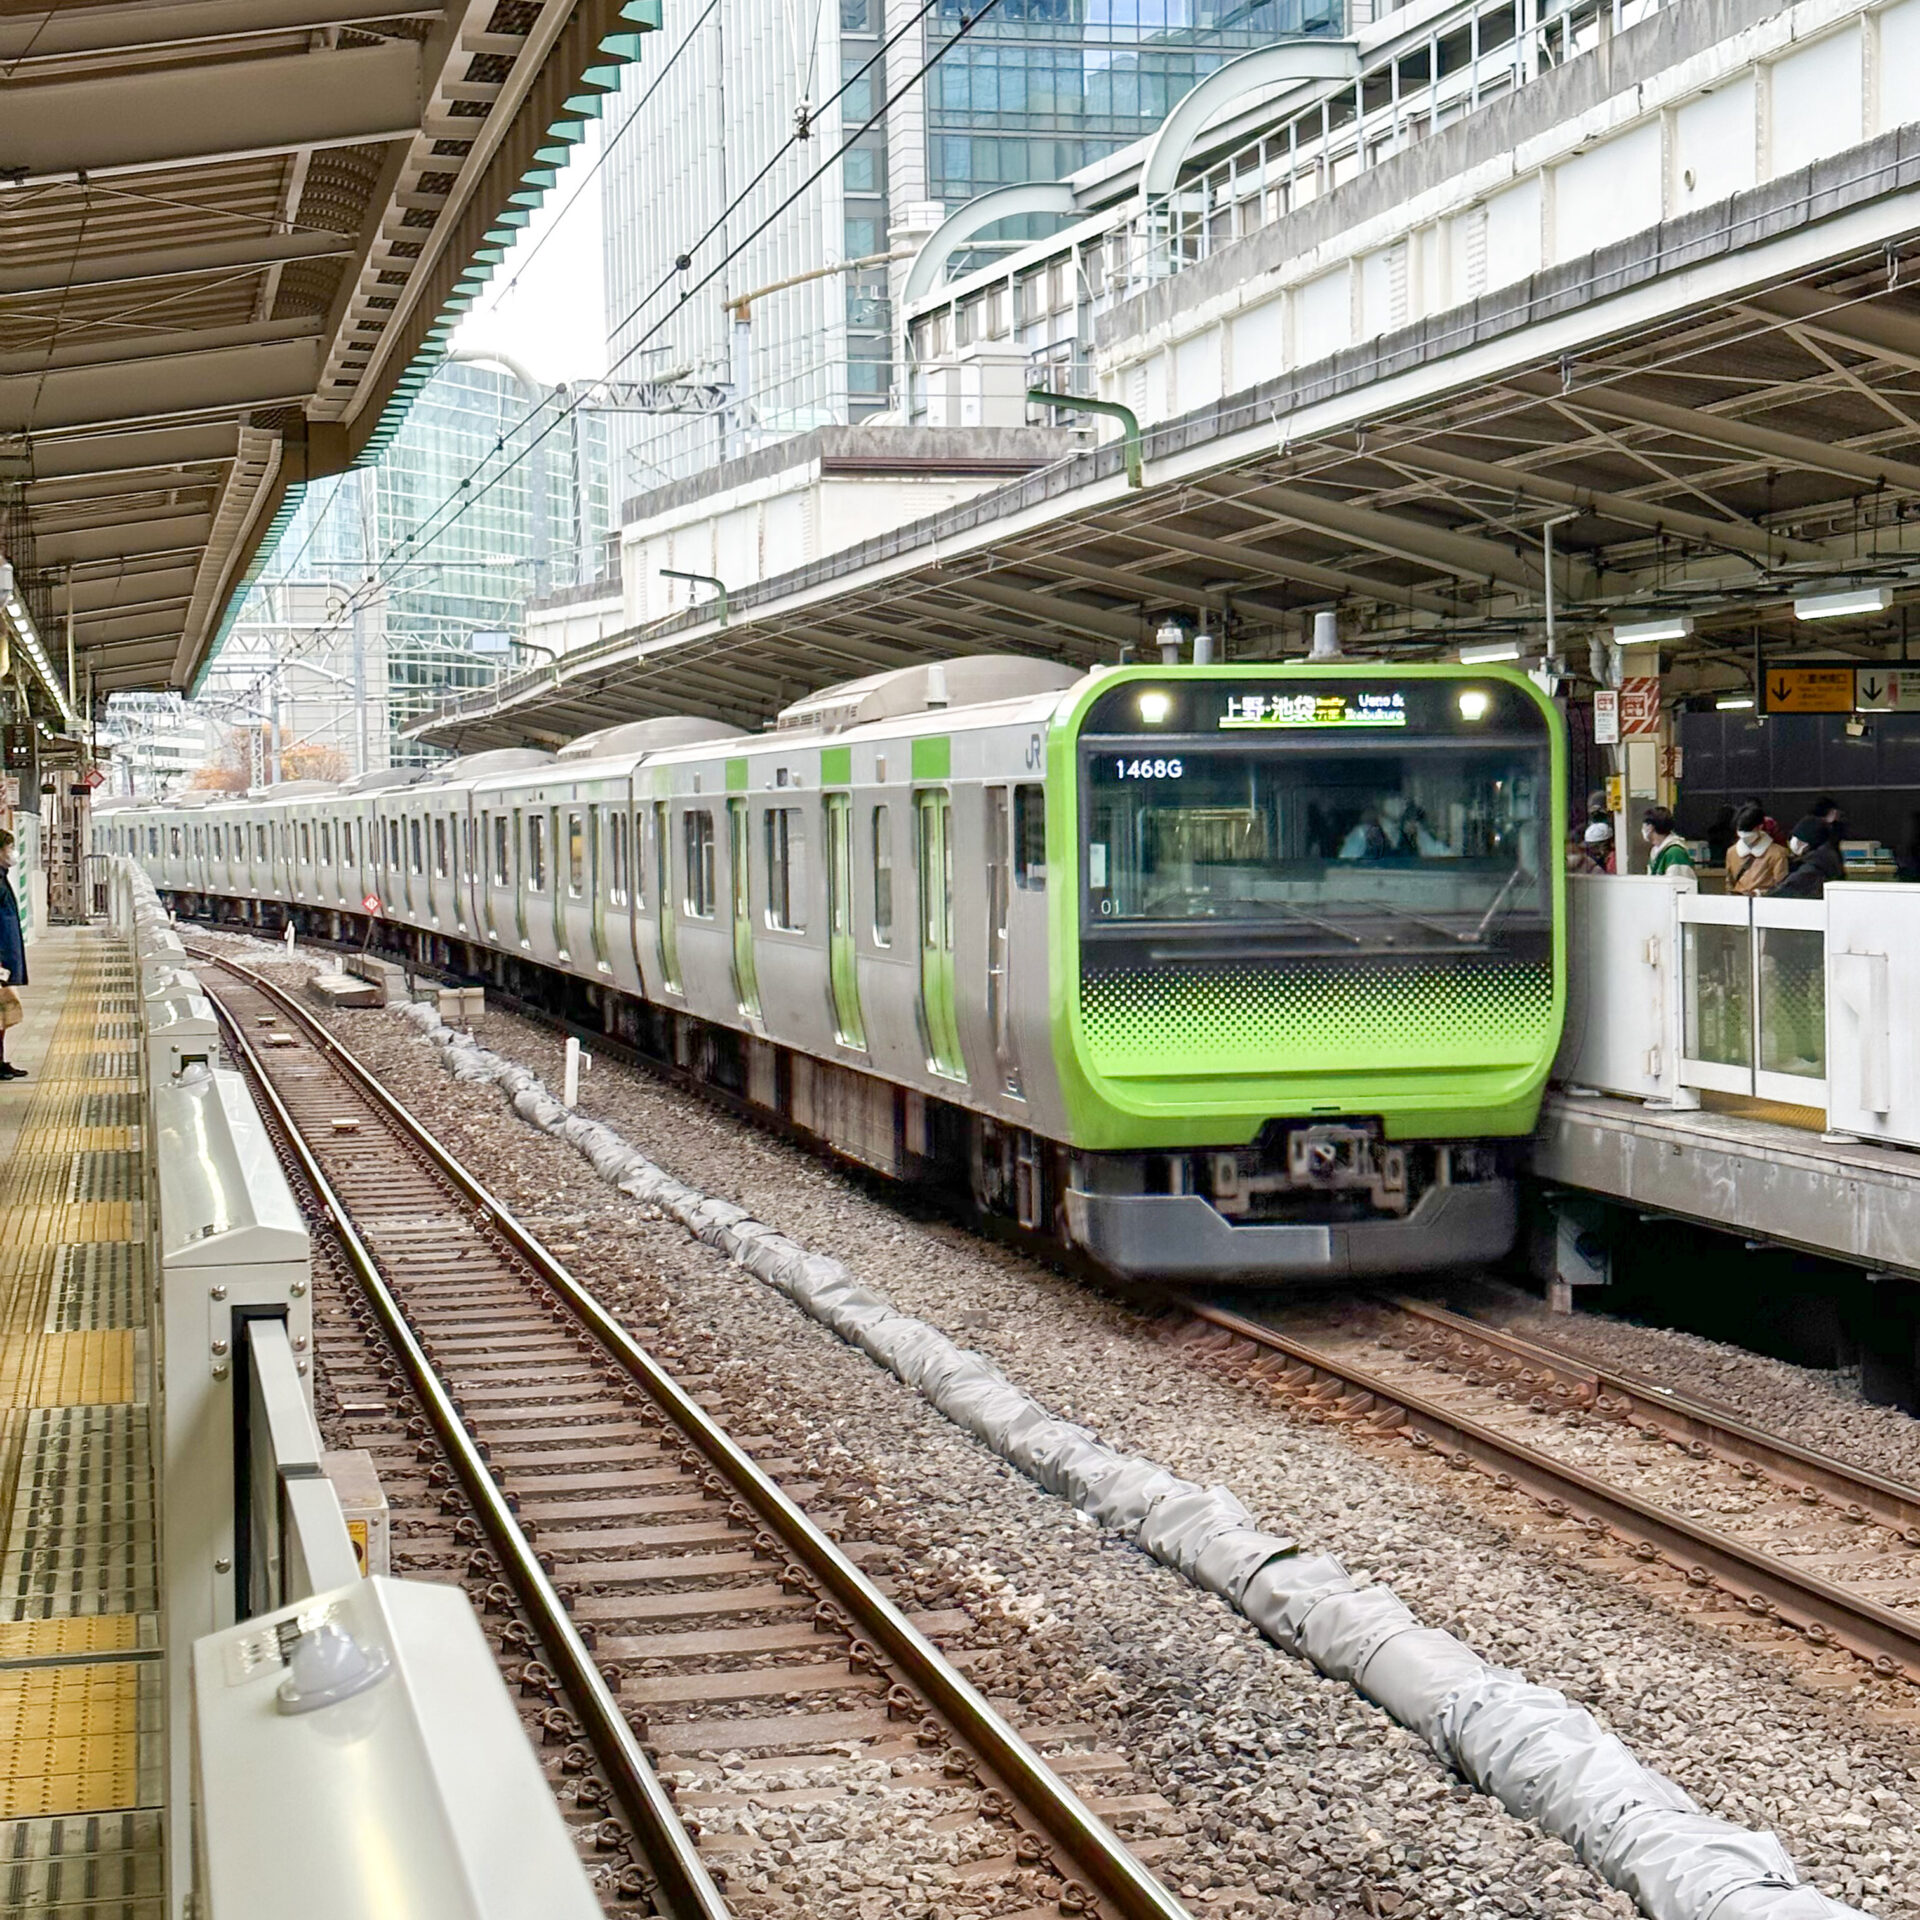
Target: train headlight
x=1155, y=706
x=1474, y=704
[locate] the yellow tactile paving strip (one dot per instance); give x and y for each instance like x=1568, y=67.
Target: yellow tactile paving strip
x=81, y=1687
x=94, y=1633
x=71, y=1737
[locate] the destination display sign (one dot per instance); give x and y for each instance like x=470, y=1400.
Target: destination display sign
x=1364, y=707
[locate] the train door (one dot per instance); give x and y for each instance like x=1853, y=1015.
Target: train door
x=843, y=971
x=666, y=907
x=604, y=882
x=999, y=952
x=529, y=840
x=746, y=979
x=935, y=818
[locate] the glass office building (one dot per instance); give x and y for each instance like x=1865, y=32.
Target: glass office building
x=696, y=172
x=1041, y=88
x=491, y=494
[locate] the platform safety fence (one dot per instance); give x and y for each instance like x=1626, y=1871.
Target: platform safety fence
x=1674, y=993
x=360, y=1721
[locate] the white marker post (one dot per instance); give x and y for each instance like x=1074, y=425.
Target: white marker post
x=570, y=1080
x=289, y=939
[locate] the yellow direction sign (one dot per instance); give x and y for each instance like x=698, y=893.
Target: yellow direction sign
x=1807, y=690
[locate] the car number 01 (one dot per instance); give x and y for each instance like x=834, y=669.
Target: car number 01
x=1147, y=769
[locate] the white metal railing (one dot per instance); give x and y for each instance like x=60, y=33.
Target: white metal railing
x=1389, y=108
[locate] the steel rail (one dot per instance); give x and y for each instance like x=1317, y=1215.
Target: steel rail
x=1721, y=1430
x=1767, y=1588
x=685, y=1889
x=1095, y=1852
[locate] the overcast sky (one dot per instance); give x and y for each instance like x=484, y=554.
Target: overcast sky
x=544, y=305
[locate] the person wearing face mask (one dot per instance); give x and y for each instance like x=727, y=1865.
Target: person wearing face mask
x=1667, y=853
x=1756, y=862
x=1816, y=860
x=13, y=946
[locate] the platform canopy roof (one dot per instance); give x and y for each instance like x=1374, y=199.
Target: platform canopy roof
x=233, y=237
x=1704, y=464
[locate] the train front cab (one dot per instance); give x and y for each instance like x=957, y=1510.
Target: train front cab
x=1314, y=966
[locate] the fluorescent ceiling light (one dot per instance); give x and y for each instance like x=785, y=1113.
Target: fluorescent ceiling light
x=1485, y=652
x=1843, y=606
x=1649, y=633
x=22, y=623
x=1733, y=703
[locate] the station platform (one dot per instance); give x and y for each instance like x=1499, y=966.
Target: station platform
x=82, y=1692
x=1766, y=1178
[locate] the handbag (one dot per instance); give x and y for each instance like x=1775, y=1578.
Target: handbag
x=10, y=1010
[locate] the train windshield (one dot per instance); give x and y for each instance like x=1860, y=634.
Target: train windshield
x=1358, y=835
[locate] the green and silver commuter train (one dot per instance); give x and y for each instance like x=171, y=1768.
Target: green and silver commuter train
x=1219, y=973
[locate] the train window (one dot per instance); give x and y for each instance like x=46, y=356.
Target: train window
x=617, y=860
x=536, y=853
x=1030, y=836
x=576, y=856
x=502, y=852
x=153, y=843
x=346, y=843
x=173, y=842
x=306, y=844
x=700, y=862
x=416, y=852
x=326, y=844
x=466, y=847
x=199, y=841
x=786, y=870
x=440, y=846
x=882, y=877
x=260, y=843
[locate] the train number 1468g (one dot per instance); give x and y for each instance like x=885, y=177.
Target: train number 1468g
x=1147, y=769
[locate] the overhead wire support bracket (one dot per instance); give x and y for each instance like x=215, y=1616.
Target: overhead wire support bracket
x=1129, y=424
x=718, y=585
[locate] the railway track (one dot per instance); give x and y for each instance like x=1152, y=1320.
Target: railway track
x=661, y=1602
x=1792, y=1536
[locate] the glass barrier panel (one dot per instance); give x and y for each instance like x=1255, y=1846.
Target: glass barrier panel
x=1719, y=993
x=1793, y=1002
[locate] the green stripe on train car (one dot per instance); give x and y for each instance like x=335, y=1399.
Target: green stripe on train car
x=736, y=776
x=836, y=766
x=933, y=757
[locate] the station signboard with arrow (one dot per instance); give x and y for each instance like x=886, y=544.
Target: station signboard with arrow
x=1807, y=690
x=1886, y=689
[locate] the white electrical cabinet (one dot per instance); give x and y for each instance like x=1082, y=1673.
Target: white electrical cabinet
x=395, y=1779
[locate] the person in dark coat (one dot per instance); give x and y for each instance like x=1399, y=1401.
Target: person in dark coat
x=1816, y=860
x=13, y=946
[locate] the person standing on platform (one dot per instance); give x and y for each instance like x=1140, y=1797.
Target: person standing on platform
x=13, y=952
x=1667, y=853
x=1756, y=862
x=1596, y=845
x=1827, y=811
x=1816, y=860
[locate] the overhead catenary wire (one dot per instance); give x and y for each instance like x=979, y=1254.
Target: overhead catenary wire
x=465, y=494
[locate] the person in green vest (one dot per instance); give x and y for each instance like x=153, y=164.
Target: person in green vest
x=1666, y=852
